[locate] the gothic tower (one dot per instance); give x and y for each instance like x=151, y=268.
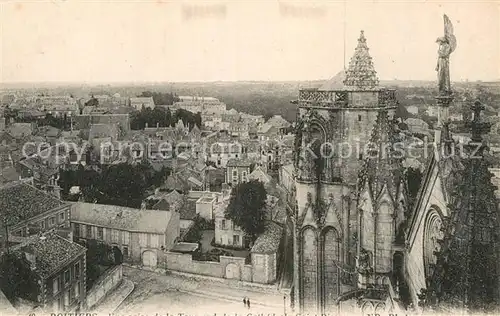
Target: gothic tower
x=333, y=126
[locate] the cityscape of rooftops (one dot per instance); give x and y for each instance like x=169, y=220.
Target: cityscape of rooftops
x=249, y=158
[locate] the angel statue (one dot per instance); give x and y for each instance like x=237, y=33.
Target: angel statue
x=447, y=45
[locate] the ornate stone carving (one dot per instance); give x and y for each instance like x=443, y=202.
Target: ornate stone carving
x=364, y=261
x=447, y=45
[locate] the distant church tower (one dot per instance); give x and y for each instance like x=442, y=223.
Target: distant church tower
x=325, y=218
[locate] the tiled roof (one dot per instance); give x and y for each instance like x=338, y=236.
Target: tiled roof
x=264, y=128
x=20, y=201
x=361, y=73
x=289, y=168
x=49, y=131
x=170, y=198
x=119, y=217
x=174, y=182
x=188, y=210
x=162, y=205
x=268, y=242
x=195, y=181
x=20, y=129
x=8, y=174
x=238, y=163
x=184, y=247
x=278, y=121
x=103, y=130
x=51, y=252
x=141, y=100
x=260, y=175
x=335, y=83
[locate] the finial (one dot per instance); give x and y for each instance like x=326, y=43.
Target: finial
x=477, y=127
x=362, y=36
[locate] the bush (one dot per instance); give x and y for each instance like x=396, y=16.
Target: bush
x=195, y=232
x=212, y=255
x=99, y=255
x=214, y=244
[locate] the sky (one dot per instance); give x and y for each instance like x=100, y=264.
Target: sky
x=240, y=40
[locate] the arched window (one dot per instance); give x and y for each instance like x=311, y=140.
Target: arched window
x=317, y=140
x=432, y=233
x=331, y=263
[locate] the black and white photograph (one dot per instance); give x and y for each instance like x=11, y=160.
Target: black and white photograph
x=249, y=157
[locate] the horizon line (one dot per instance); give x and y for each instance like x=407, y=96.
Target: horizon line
x=217, y=81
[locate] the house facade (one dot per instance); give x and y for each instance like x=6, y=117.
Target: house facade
x=226, y=232
x=222, y=151
x=237, y=171
x=142, y=103
x=60, y=264
x=28, y=210
x=265, y=254
x=141, y=235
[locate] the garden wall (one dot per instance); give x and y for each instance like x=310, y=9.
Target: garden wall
x=228, y=267
x=105, y=284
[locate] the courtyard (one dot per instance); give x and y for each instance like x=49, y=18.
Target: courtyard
x=206, y=240
x=174, y=294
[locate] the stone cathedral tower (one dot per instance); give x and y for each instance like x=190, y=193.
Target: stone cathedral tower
x=333, y=126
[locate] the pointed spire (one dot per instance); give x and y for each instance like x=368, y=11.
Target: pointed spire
x=382, y=165
x=361, y=72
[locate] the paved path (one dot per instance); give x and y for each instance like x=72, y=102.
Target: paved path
x=115, y=298
x=156, y=293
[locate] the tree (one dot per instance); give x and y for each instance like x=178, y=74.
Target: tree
x=197, y=119
x=121, y=184
x=247, y=207
x=92, y=102
x=161, y=98
x=17, y=279
x=168, y=117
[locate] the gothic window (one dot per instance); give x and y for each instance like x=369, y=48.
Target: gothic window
x=331, y=263
x=317, y=161
x=383, y=236
x=432, y=233
x=309, y=269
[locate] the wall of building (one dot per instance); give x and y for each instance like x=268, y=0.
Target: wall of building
x=105, y=284
x=205, y=210
x=264, y=268
x=237, y=174
x=133, y=244
x=56, y=300
x=57, y=217
x=263, y=272
x=185, y=223
x=224, y=235
x=173, y=231
x=84, y=121
x=228, y=267
x=432, y=198
x=185, y=263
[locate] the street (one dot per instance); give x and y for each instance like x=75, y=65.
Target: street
x=155, y=293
